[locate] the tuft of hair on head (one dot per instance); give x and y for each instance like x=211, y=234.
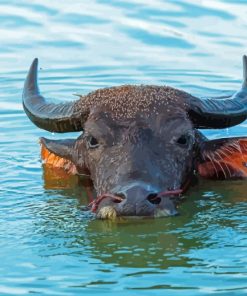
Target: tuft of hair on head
x=107, y=212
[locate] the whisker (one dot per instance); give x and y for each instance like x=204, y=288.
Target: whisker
x=223, y=163
x=211, y=160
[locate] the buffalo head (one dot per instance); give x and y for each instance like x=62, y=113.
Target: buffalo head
x=140, y=144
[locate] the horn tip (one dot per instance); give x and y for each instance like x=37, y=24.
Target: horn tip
x=35, y=63
x=244, y=71
x=30, y=85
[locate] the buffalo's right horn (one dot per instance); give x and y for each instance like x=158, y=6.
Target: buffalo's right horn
x=60, y=118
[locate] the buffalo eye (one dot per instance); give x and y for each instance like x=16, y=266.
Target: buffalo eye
x=184, y=140
x=92, y=142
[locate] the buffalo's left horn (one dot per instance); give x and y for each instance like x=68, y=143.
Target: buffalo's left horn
x=60, y=118
x=220, y=113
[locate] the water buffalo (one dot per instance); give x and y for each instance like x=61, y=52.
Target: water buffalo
x=140, y=144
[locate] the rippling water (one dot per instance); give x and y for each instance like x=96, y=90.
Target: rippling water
x=48, y=244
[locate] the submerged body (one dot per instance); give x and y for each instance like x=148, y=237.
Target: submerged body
x=140, y=144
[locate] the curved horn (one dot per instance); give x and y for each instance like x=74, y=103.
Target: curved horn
x=220, y=113
x=60, y=118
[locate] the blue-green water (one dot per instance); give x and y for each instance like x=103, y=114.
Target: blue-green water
x=48, y=244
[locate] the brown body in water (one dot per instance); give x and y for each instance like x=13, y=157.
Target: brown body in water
x=140, y=144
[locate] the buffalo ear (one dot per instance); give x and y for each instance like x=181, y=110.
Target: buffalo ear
x=223, y=159
x=58, y=154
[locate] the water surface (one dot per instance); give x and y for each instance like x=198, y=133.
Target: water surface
x=48, y=244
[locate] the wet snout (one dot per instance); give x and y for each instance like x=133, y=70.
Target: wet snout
x=141, y=199
x=138, y=200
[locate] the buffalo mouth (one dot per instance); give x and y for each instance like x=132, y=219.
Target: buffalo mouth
x=111, y=206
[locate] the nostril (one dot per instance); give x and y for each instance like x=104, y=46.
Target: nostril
x=153, y=198
x=119, y=197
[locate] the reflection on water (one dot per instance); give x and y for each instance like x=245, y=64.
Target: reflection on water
x=49, y=244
